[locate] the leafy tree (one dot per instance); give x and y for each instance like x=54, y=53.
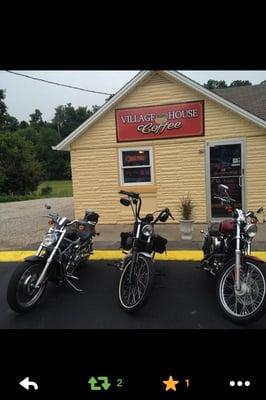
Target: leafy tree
x=109, y=97
x=263, y=83
x=3, y=107
x=213, y=84
x=20, y=172
x=23, y=125
x=95, y=108
x=10, y=123
x=36, y=120
x=240, y=83
x=56, y=165
x=67, y=118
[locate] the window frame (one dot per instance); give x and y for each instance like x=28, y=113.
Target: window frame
x=121, y=167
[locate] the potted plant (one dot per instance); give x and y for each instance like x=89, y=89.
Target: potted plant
x=186, y=223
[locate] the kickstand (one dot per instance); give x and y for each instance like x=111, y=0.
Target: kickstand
x=73, y=286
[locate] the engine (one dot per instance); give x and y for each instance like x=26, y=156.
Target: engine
x=216, y=245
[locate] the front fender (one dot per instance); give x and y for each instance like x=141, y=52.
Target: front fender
x=244, y=258
x=35, y=258
x=252, y=259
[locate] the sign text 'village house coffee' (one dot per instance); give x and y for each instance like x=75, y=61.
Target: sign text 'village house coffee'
x=160, y=122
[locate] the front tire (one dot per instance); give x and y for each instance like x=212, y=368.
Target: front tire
x=21, y=294
x=247, y=304
x=133, y=295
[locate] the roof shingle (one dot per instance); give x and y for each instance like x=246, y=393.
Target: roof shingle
x=251, y=98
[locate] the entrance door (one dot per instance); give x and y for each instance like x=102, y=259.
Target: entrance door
x=226, y=167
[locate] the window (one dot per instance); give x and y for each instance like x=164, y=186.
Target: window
x=136, y=166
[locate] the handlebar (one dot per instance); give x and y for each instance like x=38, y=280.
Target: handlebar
x=130, y=194
x=225, y=199
x=165, y=210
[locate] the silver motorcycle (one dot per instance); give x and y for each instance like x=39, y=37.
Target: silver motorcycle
x=65, y=246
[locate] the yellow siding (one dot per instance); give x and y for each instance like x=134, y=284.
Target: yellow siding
x=256, y=172
x=179, y=164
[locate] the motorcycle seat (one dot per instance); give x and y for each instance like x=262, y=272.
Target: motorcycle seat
x=214, y=229
x=87, y=234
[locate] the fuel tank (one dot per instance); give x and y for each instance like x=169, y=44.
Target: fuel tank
x=227, y=227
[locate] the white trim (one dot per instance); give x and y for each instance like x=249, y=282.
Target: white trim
x=221, y=142
x=64, y=145
x=121, y=175
x=213, y=96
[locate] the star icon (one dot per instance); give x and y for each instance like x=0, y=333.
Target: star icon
x=170, y=384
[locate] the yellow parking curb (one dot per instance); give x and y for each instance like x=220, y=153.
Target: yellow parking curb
x=171, y=255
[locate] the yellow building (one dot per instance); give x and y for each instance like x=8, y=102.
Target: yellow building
x=163, y=135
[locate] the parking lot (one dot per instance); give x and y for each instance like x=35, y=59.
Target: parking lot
x=183, y=298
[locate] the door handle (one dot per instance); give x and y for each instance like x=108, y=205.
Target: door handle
x=240, y=180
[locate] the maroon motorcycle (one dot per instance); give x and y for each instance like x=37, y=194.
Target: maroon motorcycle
x=227, y=254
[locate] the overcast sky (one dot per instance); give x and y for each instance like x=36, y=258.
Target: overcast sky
x=24, y=95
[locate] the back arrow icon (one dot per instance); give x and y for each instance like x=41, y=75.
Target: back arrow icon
x=26, y=383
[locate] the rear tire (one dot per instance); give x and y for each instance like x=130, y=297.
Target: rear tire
x=21, y=295
x=133, y=296
x=249, y=303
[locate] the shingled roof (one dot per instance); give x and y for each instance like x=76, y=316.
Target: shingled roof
x=250, y=98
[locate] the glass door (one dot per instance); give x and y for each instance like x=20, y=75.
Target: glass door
x=226, y=167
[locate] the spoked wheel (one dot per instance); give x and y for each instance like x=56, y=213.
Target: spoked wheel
x=136, y=283
x=248, y=303
x=22, y=296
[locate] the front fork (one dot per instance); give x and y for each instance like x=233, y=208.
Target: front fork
x=48, y=262
x=237, y=258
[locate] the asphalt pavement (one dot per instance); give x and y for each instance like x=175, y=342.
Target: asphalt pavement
x=183, y=297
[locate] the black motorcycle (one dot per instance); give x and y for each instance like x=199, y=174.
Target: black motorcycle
x=241, y=287
x=142, y=243
x=66, y=245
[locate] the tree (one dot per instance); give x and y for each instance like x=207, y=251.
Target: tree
x=56, y=165
x=263, y=83
x=20, y=172
x=67, y=118
x=95, y=108
x=240, y=83
x=10, y=123
x=213, y=84
x=3, y=107
x=23, y=125
x=36, y=120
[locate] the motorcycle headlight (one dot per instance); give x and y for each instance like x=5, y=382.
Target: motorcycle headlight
x=49, y=239
x=251, y=230
x=147, y=230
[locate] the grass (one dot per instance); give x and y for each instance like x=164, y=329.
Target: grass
x=59, y=189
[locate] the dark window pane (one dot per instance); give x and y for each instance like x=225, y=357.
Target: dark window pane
x=219, y=211
x=135, y=157
x=132, y=175
x=225, y=160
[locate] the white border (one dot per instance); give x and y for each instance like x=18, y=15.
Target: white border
x=137, y=148
x=210, y=143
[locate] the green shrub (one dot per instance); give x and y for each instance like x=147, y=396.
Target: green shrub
x=46, y=190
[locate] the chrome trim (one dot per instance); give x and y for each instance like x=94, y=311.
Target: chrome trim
x=48, y=262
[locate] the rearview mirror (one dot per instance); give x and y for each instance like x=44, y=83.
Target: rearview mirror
x=125, y=202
